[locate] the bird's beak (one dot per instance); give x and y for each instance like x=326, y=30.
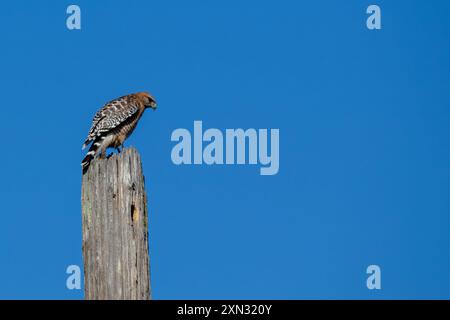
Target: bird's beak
x=153, y=106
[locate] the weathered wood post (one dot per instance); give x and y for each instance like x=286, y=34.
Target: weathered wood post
x=115, y=229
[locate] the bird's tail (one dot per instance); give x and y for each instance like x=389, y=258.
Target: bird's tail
x=91, y=154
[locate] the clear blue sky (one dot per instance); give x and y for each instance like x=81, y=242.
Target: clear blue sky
x=364, y=119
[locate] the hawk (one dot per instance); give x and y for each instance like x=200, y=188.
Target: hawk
x=114, y=123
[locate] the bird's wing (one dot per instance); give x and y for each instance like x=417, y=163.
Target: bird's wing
x=110, y=116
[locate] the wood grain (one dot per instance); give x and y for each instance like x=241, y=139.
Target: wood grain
x=115, y=229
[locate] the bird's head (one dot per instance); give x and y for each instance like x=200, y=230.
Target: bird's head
x=147, y=100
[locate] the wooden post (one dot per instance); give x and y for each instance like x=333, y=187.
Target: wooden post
x=115, y=229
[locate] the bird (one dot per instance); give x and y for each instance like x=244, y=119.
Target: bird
x=114, y=123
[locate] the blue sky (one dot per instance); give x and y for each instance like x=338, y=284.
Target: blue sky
x=364, y=119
